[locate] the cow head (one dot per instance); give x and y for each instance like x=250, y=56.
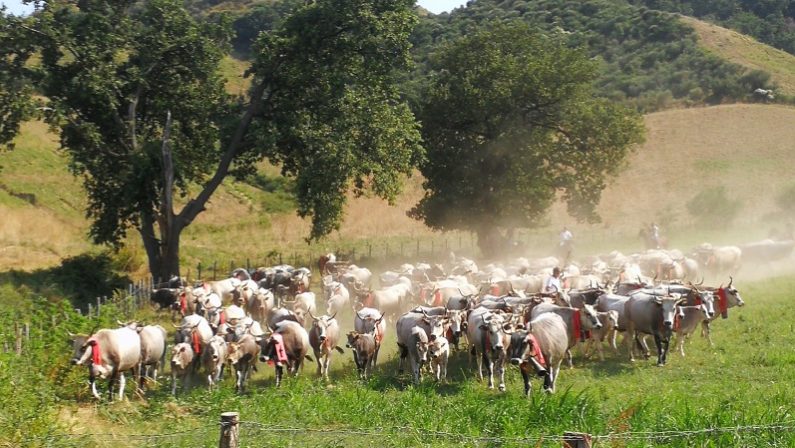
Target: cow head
x=521, y=347
x=589, y=317
x=668, y=305
x=494, y=327
x=215, y=347
x=437, y=324
x=437, y=347
x=352, y=338
x=320, y=325
x=181, y=356
x=457, y=324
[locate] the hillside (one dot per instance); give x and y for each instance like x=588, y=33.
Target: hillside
x=746, y=51
x=747, y=148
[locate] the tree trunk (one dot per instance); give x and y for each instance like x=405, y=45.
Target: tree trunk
x=491, y=241
x=162, y=254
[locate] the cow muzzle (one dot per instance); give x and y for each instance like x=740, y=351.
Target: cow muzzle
x=516, y=361
x=75, y=361
x=264, y=358
x=668, y=324
x=598, y=325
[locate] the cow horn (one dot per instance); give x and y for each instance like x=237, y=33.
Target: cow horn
x=71, y=335
x=423, y=312
x=702, y=281
x=121, y=323
x=178, y=327
x=731, y=280
x=312, y=316
x=360, y=316
x=333, y=316
x=381, y=318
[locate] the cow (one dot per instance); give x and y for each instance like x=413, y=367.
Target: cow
x=242, y=356
x=455, y=320
x=299, y=281
x=439, y=352
x=181, y=365
x=371, y=321
x=166, y=297
x=286, y=346
x=727, y=297
x=609, y=321
x=280, y=314
x=213, y=359
x=540, y=350
x=413, y=343
x=654, y=315
x=323, y=337
x=108, y=354
x=363, y=347
x=260, y=304
x=489, y=337
x=153, y=349
x=579, y=321
x=304, y=304
x=337, y=297
x=690, y=318
x=720, y=260
x=392, y=299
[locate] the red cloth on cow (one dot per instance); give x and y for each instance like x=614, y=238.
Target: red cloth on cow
x=368, y=301
x=278, y=345
x=723, y=303
x=222, y=318
x=197, y=342
x=495, y=290
x=576, y=324
x=96, y=354
x=183, y=303
x=537, y=350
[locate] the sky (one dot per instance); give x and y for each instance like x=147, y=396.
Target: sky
x=435, y=6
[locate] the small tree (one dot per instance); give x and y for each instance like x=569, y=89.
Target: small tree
x=713, y=207
x=510, y=122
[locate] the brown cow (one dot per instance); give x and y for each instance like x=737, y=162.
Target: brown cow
x=323, y=337
x=242, y=357
x=363, y=347
x=294, y=342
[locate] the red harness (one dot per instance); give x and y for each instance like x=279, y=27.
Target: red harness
x=222, y=318
x=197, y=342
x=278, y=345
x=96, y=354
x=495, y=290
x=576, y=324
x=368, y=301
x=437, y=298
x=536, y=350
x=183, y=304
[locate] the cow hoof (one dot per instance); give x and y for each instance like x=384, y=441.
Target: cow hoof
x=502, y=388
x=660, y=364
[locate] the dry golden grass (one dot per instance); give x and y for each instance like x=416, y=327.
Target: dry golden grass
x=746, y=51
x=749, y=149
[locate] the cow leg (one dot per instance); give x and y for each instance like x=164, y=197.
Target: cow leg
x=490, y=370
x=665, y=345
x=680, y=343
x=210, y=381
x=526, y=380
x=402, y=359
x=659, y=343
x=93, y=381
x=319, y=361
x=375, y=355
x=279, y=375
x=444, y=370
x=327, y=365
x=500, y=365
x=569, y=358
x=122, y=383
x=173, y=382
x=630, y=340
x=416, y=370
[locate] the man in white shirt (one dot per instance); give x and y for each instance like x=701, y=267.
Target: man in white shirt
x=552, y=284
x=566, y=243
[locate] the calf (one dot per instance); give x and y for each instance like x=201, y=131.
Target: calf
x=242, y=356
x=323, y=337
x=439, y=351
x=181, y=365
x=363, y=347
x=609, y=321
x=213, y=359
x=690, y=317
x=371, y=321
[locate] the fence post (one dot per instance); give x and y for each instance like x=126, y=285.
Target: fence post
x=230, y=436
x=90, y=311
x=99, y=306
x=215, y=269
x=576, y=440
x=27, y=335
x=18, y=340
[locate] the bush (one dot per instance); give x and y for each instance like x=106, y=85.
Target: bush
x=713, y=207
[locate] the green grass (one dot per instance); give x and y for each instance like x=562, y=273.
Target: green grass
x=745, y=379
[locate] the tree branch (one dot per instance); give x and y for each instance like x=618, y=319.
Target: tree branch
x=195, y=206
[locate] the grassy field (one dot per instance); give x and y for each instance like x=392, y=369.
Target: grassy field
x=747, y=52
x=744, y=380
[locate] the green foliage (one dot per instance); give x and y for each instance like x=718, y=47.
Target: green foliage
x=16, y=104
x=785, y=200
x=768, y=21
x=713, y=207
x=510, y=122
x=647, y=59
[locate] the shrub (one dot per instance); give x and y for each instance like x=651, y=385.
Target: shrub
x=713, y=207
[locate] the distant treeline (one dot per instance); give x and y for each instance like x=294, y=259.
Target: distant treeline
x=650, y=60
x=770, y=21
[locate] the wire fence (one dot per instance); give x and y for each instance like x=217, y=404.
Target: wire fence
x=253, y=433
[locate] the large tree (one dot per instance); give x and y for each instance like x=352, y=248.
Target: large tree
x=510, y=123
x=135, y=91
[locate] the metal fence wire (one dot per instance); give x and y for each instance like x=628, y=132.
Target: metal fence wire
x=258, y=434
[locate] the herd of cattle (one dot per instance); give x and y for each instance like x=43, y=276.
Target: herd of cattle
x=498, y=312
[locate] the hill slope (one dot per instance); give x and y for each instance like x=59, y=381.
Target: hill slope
x=746, y=51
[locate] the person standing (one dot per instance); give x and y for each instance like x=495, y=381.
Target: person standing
x=566, y=243
x=552, y=283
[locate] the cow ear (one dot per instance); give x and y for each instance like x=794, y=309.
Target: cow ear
x=182, y=349
x=432, y=337
x=426, y=320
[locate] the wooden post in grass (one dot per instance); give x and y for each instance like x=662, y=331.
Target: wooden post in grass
x=230, y=434
x=576, y=440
